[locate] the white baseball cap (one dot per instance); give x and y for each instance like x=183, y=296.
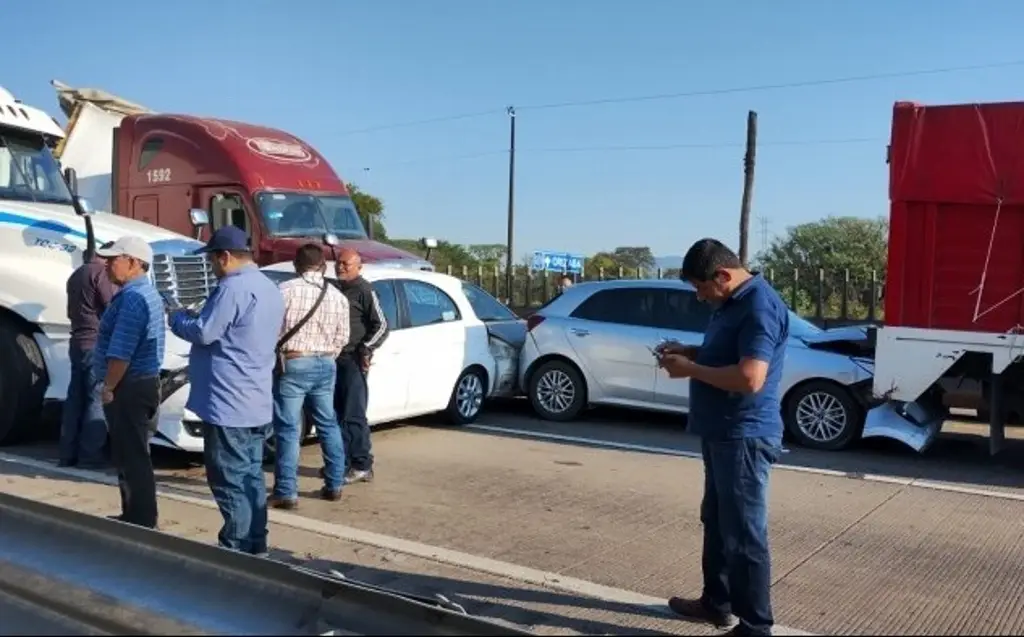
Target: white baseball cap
x=129, y=246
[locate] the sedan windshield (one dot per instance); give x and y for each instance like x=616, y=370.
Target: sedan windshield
x=299, y=214
x=28, y=172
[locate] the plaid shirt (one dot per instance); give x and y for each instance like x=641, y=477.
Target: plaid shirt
x=327, y=330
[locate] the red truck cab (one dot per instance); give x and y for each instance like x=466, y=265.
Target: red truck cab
x=277, y=188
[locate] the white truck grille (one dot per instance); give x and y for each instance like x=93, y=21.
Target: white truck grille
x=189, y=278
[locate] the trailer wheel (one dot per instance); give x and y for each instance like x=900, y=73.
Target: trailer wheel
x=22, y=382
x=822, y=415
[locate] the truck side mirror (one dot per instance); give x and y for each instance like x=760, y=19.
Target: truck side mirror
x=84, y=206
x=71, y=179
x=200, y=219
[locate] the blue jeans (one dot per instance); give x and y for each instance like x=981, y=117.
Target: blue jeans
x=350, y=400
x=736, y=560
x=234, y=472
x=306, y=381
x=83, y=427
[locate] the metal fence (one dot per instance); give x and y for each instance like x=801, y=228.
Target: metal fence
x=825, y=297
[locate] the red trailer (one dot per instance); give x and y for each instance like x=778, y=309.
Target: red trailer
x=956, y=242
x=954, y=299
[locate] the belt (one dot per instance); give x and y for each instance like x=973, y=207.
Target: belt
x=291, y=355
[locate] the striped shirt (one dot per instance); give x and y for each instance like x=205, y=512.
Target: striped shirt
x=132, y=329
x=327, y=330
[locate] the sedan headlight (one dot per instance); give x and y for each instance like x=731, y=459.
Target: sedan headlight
x=501, y=350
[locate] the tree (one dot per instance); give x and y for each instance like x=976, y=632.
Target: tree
x=488, y=254
x=836, y=245
x=633, y=258
x=371, y=211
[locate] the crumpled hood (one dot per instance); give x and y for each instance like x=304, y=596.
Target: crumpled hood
x=844, y=333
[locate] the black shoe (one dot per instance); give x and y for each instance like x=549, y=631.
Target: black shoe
x=331, y=495
x=357, y=475
x=65, y=464
x=277, y=502
x=697, y=610
x=92, y=466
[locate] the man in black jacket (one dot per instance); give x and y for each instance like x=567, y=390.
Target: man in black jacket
x=368, y=330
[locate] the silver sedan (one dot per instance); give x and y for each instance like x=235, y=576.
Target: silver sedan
x=592, y=345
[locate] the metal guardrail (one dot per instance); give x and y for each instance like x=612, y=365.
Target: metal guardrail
x=101, y=576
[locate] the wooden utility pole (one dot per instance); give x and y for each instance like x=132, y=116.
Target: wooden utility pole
x=748, y=185
x=509, y=263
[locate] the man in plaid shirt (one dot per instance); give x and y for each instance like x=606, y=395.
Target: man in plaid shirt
x=308, y=377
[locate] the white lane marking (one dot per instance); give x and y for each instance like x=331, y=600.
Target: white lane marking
x=477, y=563
x=669, y=451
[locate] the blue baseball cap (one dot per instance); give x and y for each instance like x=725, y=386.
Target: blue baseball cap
x=227, y=238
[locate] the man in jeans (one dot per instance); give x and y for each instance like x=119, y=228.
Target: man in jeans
x=734, y=409
x=83, y=430
x=129, y=352
x=314, y=332
x=231, y=369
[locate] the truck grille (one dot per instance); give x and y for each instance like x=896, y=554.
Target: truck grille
x=189, y=278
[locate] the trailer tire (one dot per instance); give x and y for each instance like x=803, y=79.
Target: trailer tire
x=817, y=399
x=22, y=382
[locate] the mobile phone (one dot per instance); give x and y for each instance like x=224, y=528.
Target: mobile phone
x=170, y=302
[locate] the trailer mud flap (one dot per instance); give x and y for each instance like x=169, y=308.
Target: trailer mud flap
x=914, y=424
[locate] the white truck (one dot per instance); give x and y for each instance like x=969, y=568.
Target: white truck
x=44, y=232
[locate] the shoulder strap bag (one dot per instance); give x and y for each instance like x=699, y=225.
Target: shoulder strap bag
x=279, y=348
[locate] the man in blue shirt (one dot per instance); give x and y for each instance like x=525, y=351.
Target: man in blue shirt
x=734, y=408
x=231, y=374
x=129, y=352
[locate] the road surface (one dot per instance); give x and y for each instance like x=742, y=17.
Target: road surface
x=583, y=527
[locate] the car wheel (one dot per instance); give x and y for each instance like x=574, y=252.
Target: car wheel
x=467, y=397
x=823, y=415
x=557, y=391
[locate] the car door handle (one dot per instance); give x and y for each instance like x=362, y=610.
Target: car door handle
x=580, y=332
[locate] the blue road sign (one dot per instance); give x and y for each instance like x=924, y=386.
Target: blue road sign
x=558, y=262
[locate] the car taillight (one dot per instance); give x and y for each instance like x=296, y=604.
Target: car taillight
x=533, y=321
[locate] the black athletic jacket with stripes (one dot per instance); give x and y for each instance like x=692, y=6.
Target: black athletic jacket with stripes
x=368, y=327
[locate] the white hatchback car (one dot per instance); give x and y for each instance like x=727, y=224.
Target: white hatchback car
x=593, y=345
x=450, y=346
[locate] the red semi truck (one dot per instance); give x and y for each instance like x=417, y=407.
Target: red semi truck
x=188, y=174
x=954, y=300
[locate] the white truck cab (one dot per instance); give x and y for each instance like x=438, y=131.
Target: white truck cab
x=42, y=241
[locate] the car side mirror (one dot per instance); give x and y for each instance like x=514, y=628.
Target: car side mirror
x=331, y=239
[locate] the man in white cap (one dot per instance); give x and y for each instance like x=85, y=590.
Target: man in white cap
x=129, y=352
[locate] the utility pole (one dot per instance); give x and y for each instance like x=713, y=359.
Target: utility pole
x=511, y=201
x=748, y=185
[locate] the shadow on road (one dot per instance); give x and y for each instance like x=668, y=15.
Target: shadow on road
x=503, y=603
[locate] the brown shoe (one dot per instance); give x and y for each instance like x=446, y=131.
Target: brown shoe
x=331, y=495
x=697, y=610
x=277, y=502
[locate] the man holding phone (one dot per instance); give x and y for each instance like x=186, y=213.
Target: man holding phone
x=734, y=409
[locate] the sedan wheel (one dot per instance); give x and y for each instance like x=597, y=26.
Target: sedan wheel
x=467, y=398
x=557, y=391
x=823, y=415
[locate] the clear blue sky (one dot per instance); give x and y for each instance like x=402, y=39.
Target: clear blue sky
x=324, y=68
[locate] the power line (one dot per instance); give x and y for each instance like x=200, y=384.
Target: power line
x=599, y=149
x=771, y=87
x=690, y=94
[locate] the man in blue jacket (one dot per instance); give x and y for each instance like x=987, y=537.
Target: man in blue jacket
x=231, y=374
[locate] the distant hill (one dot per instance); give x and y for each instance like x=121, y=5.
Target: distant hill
x=668, y=263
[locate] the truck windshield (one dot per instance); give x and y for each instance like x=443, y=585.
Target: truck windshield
x=28, y=172
x=299, y=214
